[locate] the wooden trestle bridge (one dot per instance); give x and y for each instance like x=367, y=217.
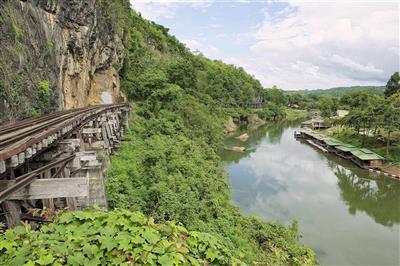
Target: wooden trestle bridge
x=58, y=160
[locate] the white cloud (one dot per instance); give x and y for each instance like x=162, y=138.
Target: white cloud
x=156, y=10
x=207, y=49
x=192, y=44
x=319, y=45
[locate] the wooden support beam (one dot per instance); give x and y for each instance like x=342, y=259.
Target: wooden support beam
x=91, y=130
x=50, y=188
x=48, y=203
x=13, y=213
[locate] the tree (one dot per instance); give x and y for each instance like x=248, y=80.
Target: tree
x=391, y=118
x=182, y=74
x=275, y=95
x=393, y=85
x=327, y=105
x=358, y=99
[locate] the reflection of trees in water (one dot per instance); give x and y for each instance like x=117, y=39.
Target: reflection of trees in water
x=275, y=131
x=233, y=156
x=272, y=130
x=380, y=199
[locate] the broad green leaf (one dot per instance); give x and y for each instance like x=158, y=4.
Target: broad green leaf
x=45, y=260
x=166, y=260
x=151, y=236
x=211, y=254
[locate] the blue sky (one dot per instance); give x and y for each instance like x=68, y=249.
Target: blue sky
x=294, y=45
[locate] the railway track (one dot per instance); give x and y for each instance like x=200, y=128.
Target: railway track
x=17, y=137
x=53, y=137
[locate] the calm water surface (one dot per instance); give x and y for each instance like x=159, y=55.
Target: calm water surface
x=347, y=215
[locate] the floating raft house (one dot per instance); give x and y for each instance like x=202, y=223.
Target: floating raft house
x=363, y=157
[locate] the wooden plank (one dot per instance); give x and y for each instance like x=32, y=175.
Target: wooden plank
x=50, y=188
x=91, y=130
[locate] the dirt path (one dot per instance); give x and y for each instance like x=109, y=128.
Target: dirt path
x=392, y=169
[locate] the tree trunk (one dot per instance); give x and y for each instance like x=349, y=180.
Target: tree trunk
x=388, y=144
x=363, y=139
x=375, y=129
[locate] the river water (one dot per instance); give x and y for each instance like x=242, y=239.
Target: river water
x=347, y=215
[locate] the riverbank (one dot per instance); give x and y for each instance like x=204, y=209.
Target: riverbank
x=253, y=118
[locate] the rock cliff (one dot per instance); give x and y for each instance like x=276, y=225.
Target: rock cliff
x=57, y=54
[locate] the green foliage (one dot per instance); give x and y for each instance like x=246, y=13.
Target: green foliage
x=272, y=111
x=327, y=106
x=114, y=14
x=49, y=46
x=376, y=116
x=44, y=87
x=393, y=85
x=111, y=238
x=170, y=172
x=340, y=91
x=275, y=96
x=143, y=85
x=44, y=96
x=12, y=92
x=183, y=74
x=292, y=115
x=17, y=31
x=2, y=63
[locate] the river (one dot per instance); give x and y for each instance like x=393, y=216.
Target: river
x=347, y=215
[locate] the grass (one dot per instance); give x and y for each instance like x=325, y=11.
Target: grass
x=292, y=114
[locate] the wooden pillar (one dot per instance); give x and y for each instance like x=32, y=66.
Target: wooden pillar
x=12, y=210
x=71, y=203
x=48, y=203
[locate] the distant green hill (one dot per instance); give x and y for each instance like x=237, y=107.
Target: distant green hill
x=339, y=91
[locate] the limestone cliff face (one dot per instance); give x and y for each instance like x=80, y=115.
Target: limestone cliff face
x=69, y=43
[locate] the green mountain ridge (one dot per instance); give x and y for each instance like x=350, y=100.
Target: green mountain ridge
x=339, y=91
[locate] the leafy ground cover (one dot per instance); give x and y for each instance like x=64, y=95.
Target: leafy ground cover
x=111, y=238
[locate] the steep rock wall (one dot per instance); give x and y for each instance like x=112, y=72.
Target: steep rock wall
x=71, y=44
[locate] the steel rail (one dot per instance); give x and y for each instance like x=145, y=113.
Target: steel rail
x=26, y=179
x=42, y=132
x=10, y=127
x=48, y=121
x=38, y=128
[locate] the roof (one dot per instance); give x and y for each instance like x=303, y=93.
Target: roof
x=314, y=134
x=307, y=122
x=346, y=147
x=366, y=155
x=361, y=153
x=332, y=142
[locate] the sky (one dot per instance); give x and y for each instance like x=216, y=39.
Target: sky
x=294, y=45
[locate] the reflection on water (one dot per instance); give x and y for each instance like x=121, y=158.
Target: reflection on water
x=347, y=215
x=368, y=195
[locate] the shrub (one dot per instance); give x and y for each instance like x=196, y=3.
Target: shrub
x=110, y=238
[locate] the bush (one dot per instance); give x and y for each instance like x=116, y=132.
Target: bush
x=111, y=238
